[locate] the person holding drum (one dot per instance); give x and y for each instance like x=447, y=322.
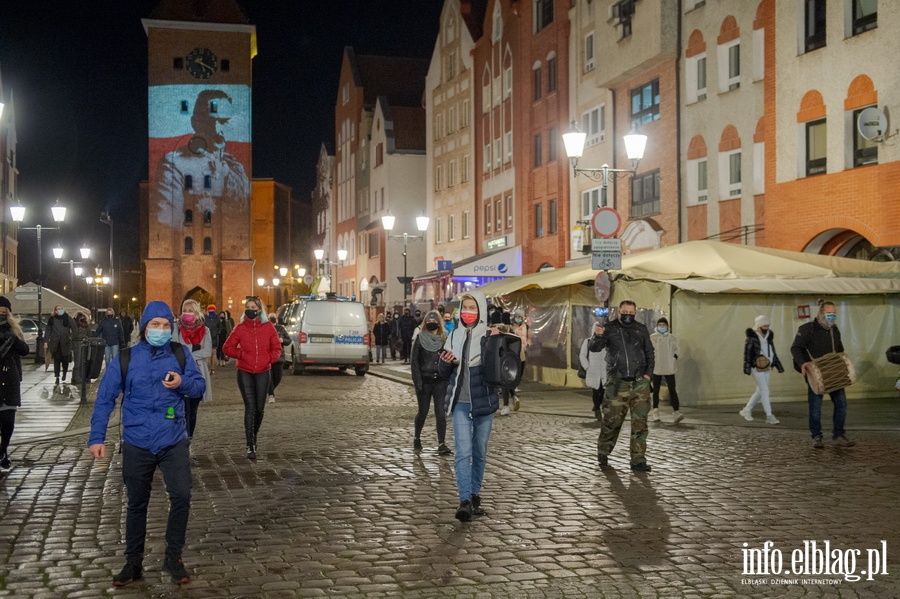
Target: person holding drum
x=759, y=360
x=815, y=339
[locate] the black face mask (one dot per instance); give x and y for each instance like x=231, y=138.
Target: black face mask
x=627, y=318
x=3, y=318
x=432, y=326
x=251, y=314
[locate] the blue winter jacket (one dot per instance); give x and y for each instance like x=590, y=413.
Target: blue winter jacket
x=146, y=401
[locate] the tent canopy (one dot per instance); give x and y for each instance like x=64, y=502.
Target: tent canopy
x=718, y=267
x=49, y=298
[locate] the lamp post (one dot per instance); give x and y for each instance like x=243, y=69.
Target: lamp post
x=262, y=283
x=635, y=144
x=324, y=264
x=73, y=270
x=387, y=222
x=97, y=280
x=59, y=215
x=106, y=219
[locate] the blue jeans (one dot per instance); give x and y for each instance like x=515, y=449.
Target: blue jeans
x=839, y=399
x=110, y=352
x=470, y=436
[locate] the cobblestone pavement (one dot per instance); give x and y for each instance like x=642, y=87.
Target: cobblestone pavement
x=339, y=505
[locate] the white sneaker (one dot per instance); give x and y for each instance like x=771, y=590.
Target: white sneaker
x=504, y=411
x=770, y=419
x=654, y=415
x=677, y=416
x=271, y=399
x=746, y=414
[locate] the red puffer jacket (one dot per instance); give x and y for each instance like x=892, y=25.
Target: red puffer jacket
x=255, y=345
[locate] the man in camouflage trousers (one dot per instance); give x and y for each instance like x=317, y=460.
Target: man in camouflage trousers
x=629, y=361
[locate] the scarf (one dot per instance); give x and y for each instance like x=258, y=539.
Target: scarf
x=430, y=341
x=193, y=335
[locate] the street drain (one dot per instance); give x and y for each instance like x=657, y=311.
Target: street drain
x=330, y=480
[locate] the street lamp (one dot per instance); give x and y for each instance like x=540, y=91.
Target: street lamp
x=73, y=270
x=262, y=283
x=387, y=222
x=97, y=280
x=59, y=215
x=635, y=143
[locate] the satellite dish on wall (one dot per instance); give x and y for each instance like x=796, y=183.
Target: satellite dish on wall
x=872, y=123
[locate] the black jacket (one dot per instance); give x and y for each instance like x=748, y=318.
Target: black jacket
x=11, y=367
x=813, y=338
x=424, y=364
x=752, y=349
x=407, y=326
x=382, y=332
x=629, y=352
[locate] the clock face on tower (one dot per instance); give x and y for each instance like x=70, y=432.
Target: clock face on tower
x=202, y=63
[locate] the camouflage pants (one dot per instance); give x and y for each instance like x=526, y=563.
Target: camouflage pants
x=622, y=396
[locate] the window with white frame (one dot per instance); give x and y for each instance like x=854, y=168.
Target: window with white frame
x=816, y=148
x=507, y=81
x=451, y=227
x=497, y=89
x=813, y=24
x=486, y=91
x=361, y=244
x=465, y=224
x=345, y=93
x=865, y=151
x=465, y=113
x=863, y=16
x=543, y=14
x=759, y=168
x=593, y=123
x=538, y=150
x=438, y=176
x=487, y=157
x=759, y=54
x=439, y=230
x=498, y=153
x=552, y=144
x=536, y=71
x=696, y=181
x=496, y=24
x=465, y=168
x=730, y=181
x=509, y=211
x=551, y=73
x=450, y=66
x=507, y=150
x=488, y=218
x=695, y=70
x=730, y=65
x=552, y=218
x=589, y=52
x=451, y=117
x=590, y=202
x=451, y=174
x=538, y=219
x=498, y=215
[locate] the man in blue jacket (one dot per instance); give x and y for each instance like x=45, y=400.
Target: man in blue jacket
x=110, y=330
x=154, y=435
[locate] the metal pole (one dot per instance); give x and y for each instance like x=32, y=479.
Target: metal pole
x=39, y=343
x=405, y=241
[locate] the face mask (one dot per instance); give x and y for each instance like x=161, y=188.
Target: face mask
x=627, y=318
x=60, y=312
x=431, y=326
x=272, y=320
x=3, y=318
x=468, y=317
x=831, y=317
x=188, y=318
x=109, y=315
x=662, y=329
x=251, y=314
x=158, y=337
x=517, y=320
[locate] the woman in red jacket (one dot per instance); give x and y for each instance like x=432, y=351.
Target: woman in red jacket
x=255, y=344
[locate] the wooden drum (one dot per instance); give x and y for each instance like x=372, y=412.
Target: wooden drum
x=830, y=372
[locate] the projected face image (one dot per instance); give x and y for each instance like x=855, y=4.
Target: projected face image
x=201, y=171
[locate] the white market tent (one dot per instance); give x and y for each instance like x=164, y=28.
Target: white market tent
x=711, y=292
x=49, y=298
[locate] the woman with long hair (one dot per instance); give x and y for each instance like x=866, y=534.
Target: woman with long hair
x=12, y=348
x=255, y=344
x=59, y=340
x=191, y=332
x=430, y=386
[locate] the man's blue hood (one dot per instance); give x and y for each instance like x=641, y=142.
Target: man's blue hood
x=156, y=309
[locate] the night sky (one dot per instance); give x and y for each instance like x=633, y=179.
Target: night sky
x=78, y=72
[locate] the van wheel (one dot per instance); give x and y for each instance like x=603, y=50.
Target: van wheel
x=361, y=370
x=296, y=369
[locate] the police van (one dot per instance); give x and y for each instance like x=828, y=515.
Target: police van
x=330, y=332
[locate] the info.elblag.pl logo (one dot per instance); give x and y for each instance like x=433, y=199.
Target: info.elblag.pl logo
x=814, y=558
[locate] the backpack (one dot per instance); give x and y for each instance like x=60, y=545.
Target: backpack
x=125, y=357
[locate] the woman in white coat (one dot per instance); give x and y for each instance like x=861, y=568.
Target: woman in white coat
x=594, y=364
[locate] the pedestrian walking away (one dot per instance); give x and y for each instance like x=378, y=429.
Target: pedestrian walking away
x=519, y=327
x=80, y=333
x=594, y=365
x=630, y=361
x=469, y=400
x=407, y=326
x=191, y=332
x=760, y=358
x=212, y=323
x=665, y=348
x=60, y=328
x=225, y=327
x=394, y=324
x=110, y=330
x=154, y=435
x=278, y=366
x=254, y=343
x=429, y=385
x=127, y=326
x=12, y=348
x=813, y=340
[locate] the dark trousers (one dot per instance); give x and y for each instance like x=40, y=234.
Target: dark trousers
x=60, y=359
x=655, y=380
x=138, y=467
x=407, y=346
x=77, y=363
x=597, y=397
x=7, y=426
x=254, y=389
x=432, y=392
x=275, y=379
x=393, y=348
x=192, y=405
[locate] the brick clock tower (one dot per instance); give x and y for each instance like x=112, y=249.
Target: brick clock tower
x=195, y=206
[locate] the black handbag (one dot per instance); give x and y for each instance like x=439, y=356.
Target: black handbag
x=582, y=373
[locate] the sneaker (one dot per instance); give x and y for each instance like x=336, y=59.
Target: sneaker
x=746, y=414
x=464, y=511
x=603, y=460
x=817, y=442
x=175, y=567
x=444, y=450
x=770, y=419
x=271, y=399
x=504, y=411
x=842, y=441
x=5, y=465
x=417, y=445
x=251, y=452
x=677, y=416
x=640, y=467
x=654, y=415
x=476, y=506
x=131, y=572
x=516, y=403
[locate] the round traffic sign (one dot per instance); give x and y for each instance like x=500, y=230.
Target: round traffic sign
x=606, y=222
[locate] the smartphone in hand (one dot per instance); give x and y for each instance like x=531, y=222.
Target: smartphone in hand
x=169, y=377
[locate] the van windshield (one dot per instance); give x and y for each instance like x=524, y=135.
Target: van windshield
x=335, y=313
